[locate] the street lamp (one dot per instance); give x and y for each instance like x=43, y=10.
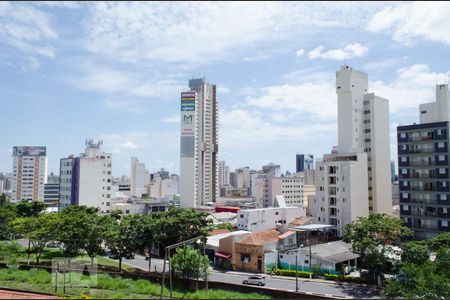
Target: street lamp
x=296, y=268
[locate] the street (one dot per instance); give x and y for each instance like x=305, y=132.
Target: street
x=331, y=289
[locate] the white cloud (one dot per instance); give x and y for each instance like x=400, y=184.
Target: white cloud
x=408, y=21
x=318, y=100
x=27, y=29
x=112, y=82
x=414, y=85
x=349, y=51
x=243, y=128
x=191, y=33
x=300, y=52
x=128, y=141
x=173, y=119
x=123, y=105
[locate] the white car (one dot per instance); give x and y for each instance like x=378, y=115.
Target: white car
x=255, y=279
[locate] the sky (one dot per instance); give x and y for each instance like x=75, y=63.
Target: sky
x=71, y=71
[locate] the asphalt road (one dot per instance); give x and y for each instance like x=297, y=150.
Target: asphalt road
x=332, y=288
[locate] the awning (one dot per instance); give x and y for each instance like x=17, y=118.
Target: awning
x=223, y=255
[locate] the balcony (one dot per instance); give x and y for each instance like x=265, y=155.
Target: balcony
x=423, y=176
x=424, y=201
x=421, y=163
x=425, y=226
x=332, y=201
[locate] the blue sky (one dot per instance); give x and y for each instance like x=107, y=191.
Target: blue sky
x=114, y=71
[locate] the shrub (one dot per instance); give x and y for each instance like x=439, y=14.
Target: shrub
x=343, y=278
x=291, y=273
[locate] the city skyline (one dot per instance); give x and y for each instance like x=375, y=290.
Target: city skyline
x=65, y=78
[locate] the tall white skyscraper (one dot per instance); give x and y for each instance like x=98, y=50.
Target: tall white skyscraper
x=29, y=173
x=87, y=179
x=140, y=178
x=224, y=174
x=199, y=145
x=363, y=126
x=355, y=179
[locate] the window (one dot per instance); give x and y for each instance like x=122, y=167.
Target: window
x=403, y=147
x=444, y=197
x=444, y=223
x=404, y=171
x=403, y=159
x=440, y=132
x=242, y=216
x=405, y=195
x=405, y=183
x=441, y=157
x=444, y=183
x=441, y=171
x=441, y=145
x=405, y=207
x=403, y=135
x=444, y=210
x=245, y=257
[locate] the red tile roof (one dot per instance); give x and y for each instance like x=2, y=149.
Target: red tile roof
x=286, y=234
x=218, y=231
x=261, y=237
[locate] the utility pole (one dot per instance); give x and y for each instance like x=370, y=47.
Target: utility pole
x=296, y=273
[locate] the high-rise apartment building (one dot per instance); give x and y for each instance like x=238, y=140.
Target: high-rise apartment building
x=363, y=126
x=29, y=173
x=140, y=178
x=304, y=162
x=424, y=168
x=87, y=180
x=362, y=156
x=341, y=190
x=199, y=145
x=224, y=174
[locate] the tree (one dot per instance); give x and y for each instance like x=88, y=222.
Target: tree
x=179, y=224
x=121, y=237
x=146, y=229
x=440, y=241
x=418, y=281
x=8, y=212
x=373, y=238
x=72, y=229
x=190, y=263
x=38, y=230
x=443, y=262
x=9, y=251
x=415, y=253
x=29, y=209
x=95, y=234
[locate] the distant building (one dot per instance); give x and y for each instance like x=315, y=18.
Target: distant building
x=87, y=180
x=29, y=173
x=304, y=162
x=224, y=174
x=51, y=194
x=394, y=176
x=140, y=178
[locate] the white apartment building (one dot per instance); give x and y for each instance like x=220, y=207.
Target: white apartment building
x=140, y=178
x=29, y=173
x=164, y=188
x=341, y=189
x=266, y=218
x=363, y=126
x=199, y=145
x=224, y=174
x=439, y=110
x=290, y=187
x=87, y=180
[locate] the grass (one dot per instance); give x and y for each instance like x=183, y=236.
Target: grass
x=108, y=287
x=50, y=253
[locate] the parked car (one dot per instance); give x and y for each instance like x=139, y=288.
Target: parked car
x=113, y=256
x=52, y=245
x=256, y=280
